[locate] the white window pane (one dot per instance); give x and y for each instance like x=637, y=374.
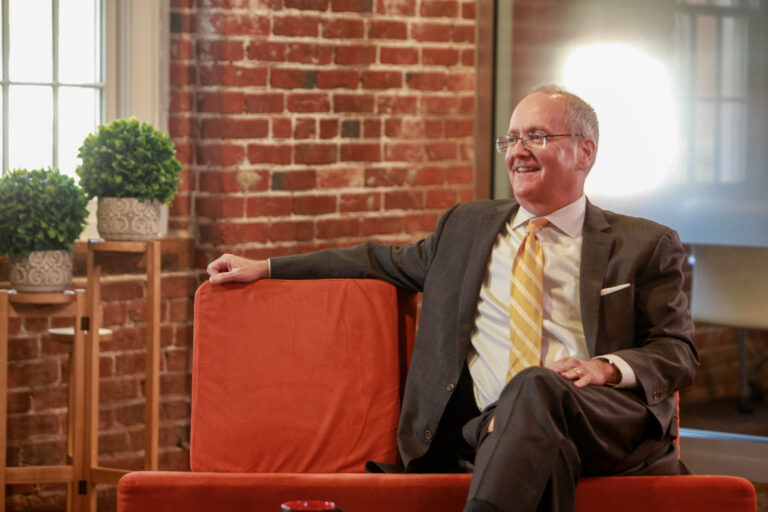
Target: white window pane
x=30, y=127
x=1, y=136
x=704, y=143
x=733, y=126
x=734, y=57
x=1, y=53
x=78, y=108
x=30, y=57
x=78, y=41
x=706, y=55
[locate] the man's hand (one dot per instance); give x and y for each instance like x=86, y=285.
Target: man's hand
x=592, y=372
x=231, y=268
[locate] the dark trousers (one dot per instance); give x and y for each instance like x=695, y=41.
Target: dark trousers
x=547, y=433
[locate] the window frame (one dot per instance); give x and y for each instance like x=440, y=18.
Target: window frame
x=54, y=85
x=134, y=52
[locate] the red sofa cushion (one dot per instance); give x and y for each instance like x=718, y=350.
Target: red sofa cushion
x=193, y=492
x=308, y=380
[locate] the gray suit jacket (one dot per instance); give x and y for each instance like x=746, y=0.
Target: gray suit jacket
x=647, y=324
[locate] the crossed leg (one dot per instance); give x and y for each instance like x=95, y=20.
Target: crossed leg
x=547, y=433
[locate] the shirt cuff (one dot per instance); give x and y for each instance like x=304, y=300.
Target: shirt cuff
x=269, y=268
x=628, y=377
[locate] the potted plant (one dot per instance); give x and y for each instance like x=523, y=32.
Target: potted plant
x=132, y=168
x=43, y=213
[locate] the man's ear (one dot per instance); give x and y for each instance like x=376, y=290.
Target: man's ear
x=587, y=150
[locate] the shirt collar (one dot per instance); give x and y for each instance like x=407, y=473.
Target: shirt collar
x=569, y=219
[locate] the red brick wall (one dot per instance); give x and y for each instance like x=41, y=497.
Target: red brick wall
x=300, y=124
x=308, y=124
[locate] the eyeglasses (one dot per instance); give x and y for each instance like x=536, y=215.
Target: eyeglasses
x=533, y=140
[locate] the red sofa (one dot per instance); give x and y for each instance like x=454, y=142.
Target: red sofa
x=296, y=384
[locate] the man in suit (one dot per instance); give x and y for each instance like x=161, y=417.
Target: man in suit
x=614, y=338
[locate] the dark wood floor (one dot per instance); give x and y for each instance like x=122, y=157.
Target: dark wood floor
x=724, y=416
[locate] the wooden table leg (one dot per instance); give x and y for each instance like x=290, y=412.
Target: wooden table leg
x=3, y=391
x=152, y=386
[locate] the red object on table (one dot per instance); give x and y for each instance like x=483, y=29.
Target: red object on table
x=308, y=505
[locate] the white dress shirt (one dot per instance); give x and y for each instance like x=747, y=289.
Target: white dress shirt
x=562, y=329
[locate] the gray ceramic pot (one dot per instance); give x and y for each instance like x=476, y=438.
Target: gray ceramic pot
x=41, y=272
x=127, y=218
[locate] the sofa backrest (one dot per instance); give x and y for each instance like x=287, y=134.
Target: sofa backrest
x=298, y=376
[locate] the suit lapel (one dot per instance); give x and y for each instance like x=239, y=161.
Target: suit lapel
x=595, y=251
x=482, y=243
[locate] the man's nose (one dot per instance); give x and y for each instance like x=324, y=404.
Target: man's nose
x=518, y=148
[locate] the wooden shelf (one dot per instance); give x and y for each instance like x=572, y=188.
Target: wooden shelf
x=67, y=334
x=39, y=474
x=41, y=298
x=102, y=246
x=70, y=304
x=109, y=476
x=96, y=474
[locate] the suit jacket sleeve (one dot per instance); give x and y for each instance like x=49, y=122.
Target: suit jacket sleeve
x=664, y=357
x=405, y=267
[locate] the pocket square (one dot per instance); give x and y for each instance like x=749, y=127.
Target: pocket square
x=611, y=289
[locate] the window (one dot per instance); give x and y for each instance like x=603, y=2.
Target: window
x=713, y=42
x=69, y=65
x=52, y=80
x=679, y=87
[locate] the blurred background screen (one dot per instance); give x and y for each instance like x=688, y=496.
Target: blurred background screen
x=680, y=88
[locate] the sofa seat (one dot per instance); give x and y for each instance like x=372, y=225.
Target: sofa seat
x=363, y=492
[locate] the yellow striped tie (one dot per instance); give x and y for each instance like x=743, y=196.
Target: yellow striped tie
x=525, y=306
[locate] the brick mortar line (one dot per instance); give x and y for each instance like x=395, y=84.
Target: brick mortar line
x=378, y=42
x=391, y=214
x=291, y=12
x=246, y=90
x=304, y=66
x=319, y=192
x=414, y=236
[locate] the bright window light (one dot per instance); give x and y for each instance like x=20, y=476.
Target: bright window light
x=633, y=96
x=53, y=84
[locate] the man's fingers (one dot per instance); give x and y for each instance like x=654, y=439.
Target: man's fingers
x=584, y=381
x=222, y=277
x=230, y=268
x=572, y=373
x=218, y=265
x=582, y=373
x=591, y=372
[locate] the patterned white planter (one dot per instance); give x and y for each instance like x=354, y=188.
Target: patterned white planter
x=41, y=272
x=127, y=218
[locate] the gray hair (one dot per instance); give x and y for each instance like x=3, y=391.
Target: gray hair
x=579, y=115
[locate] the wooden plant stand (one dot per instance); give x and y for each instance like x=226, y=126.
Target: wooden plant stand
x=95, y=474
x=67, y=304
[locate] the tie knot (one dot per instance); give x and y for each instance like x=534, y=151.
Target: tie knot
x=536, y=224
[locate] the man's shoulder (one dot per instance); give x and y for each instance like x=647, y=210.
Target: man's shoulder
x=620, y=219
x=629, y=226
x=483, y=206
